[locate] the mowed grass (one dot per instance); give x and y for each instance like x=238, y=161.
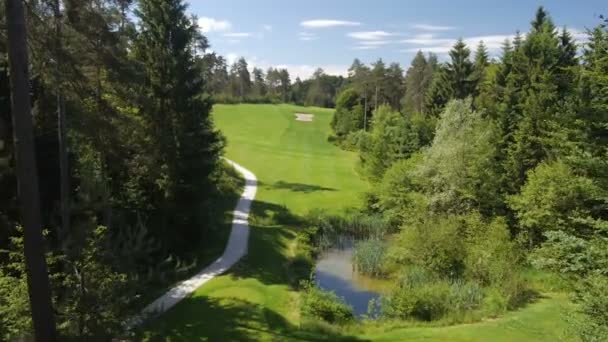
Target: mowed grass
x=295, y=164
x=299, y=170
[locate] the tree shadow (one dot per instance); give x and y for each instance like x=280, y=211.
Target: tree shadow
x=210, y=319
x=297, y=187
x=201, y=318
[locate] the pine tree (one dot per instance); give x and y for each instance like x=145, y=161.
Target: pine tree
x=567, y=61
x=187, y=145
x=415, y=77
x=439, y=93
x=460, y=70
x=243, y=77
x=259, y=87
x=479, y=66
x=285, y=84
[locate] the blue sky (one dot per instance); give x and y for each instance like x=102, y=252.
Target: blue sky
x=304, y=35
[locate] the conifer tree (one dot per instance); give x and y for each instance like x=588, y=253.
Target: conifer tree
x=460, y=70
x=177, y=115
x=415, y=78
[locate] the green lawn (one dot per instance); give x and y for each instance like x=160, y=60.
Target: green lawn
x=299, y=170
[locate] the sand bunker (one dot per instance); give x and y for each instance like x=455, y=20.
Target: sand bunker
x=304, y=117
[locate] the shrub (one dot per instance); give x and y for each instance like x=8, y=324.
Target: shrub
x=492, y=257
x=435, y=244
x=369, y=256
x=495, y=303
x=426, y=302
x=422, y=296
x=465, y=296
x=324, y=305
x=354, y=140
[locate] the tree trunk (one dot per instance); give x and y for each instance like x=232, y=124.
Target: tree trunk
x=27, y=175
x=64, y=174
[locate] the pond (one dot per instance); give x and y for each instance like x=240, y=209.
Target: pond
x=335, y=272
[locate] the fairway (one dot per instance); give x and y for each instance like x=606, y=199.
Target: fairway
x=295, y=164
x=298, y=170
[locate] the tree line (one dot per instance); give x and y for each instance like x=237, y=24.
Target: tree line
x=128, y=162
x=235, y=83
x=490, y=168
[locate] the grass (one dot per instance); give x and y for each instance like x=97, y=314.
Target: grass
x=299, y=170
x=541, y=321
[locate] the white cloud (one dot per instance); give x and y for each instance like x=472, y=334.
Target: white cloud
x=213, y=25
x=304, y=71
x=267, y=27
x=428, y=27
x=428, y=43
x=365, y=47
x=237, y=35
x=325, y=23
x=370, y=35
x=426, y=39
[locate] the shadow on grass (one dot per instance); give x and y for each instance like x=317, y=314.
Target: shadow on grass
x=300, y=187
x=203, y=318
x=210, y=319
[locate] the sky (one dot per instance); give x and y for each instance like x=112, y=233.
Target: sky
x=304, y=35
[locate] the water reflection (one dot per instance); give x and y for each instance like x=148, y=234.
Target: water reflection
x=335, y=272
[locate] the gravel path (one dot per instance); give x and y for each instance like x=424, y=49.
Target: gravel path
x=235, y=250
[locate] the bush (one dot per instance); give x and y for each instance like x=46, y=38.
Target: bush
x=426, y=302
x=354, y=140
x=368, y=256
x=435, y=244
x=465, y=296
x=324, y=305
x=495, y=303
x=423, y=296
x=355, y=225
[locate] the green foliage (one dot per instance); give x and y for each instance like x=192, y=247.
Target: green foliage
x=422, y=296
x=186, y=147
x=492, y=257
x=349, y=114
x=319, y=304
x=417, y=82
x=555, y=198
x=15, y=315
x=398, y=192
x=368, y=256
x=99, y=296
x=392, y=138
x=353, y=225
x=458, y=169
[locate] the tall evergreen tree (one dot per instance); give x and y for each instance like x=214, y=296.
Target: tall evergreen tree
x=177, y=115
x=415, y=78
x=259, y=86
x=460, y=70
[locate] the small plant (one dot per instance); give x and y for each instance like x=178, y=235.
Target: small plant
x=369, y=256
x=324, y=305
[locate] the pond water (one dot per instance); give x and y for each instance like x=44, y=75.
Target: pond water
x=335, y=272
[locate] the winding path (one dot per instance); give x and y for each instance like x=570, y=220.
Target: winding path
x=235, y=250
